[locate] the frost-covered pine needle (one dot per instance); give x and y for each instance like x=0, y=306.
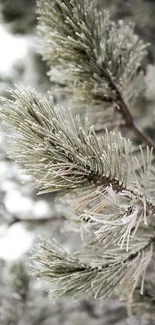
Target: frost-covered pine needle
x=92, y=276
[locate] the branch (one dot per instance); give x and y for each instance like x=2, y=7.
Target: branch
x=123, y=110
x=101, y=55
x=57, y=151
x=35, y=220
x=62, y=155
x=73, y=276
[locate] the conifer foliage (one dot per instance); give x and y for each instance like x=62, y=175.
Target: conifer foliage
x=110, y=179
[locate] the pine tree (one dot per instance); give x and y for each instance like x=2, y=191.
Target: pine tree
x=109, y=178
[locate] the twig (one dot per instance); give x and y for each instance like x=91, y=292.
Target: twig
x=36, y=220
x=123, y=109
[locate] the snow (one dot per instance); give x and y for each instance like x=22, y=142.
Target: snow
x=17, y=204
x=13, y=49
x=41, y=209
x=14, y=241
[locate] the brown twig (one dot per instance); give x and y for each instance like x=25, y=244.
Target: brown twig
x=130, y=123
x=123, y=109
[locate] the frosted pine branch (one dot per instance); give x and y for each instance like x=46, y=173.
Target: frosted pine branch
x=114, y=190
x=97, y=51
x=62, y=155
x=59, y=152
x=94, y=273
x=103, y=58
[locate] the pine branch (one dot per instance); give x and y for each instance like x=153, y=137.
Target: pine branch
x=75, y=276
x=57, y=151
x=61, y=155
x=116, y=204
x=104, y=57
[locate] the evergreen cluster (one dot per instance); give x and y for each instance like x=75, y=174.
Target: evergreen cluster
x=110, y=179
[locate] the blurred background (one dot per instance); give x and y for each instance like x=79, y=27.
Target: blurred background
x=23, y=215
